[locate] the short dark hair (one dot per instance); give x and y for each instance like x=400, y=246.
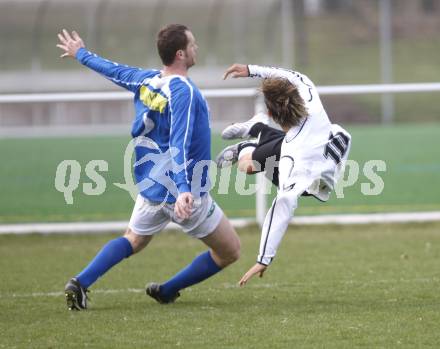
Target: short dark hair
x=284, y=102
x=171, y=39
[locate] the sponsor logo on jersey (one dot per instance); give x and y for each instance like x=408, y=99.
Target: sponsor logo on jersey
x=153, y=100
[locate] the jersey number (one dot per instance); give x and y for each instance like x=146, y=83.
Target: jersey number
x=336, y=147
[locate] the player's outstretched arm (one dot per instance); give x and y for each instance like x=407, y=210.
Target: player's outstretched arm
x=256, y=71
x=236, y=71
x=70, y=43
x=274, y=227
x=276, y=223
x=130, y=78
x=256, y=269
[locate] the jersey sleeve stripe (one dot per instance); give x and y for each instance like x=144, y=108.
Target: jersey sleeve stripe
x=268, y=232
x=187, y=129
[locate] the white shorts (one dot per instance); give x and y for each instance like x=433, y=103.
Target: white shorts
x=149, y=218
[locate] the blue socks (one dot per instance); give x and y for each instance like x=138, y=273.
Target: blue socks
x=111, y=254
x=201, y=268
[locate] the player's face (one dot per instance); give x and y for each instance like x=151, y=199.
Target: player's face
x=191, y=50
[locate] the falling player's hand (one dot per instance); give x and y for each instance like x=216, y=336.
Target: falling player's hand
x=256, y=269
x=183, y=206
x=237, y=71
x=70, y=43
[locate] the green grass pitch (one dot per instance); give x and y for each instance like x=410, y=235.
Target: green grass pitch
x=28, y=169
x=373, y=286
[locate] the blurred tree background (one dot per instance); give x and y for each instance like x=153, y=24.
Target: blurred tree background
x=332, y=41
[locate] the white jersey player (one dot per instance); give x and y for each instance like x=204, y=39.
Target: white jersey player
x=310, y=151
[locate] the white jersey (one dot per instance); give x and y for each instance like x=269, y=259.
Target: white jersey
x=312, y=156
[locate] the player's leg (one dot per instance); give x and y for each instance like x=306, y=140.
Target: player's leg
x=137, y=236
x=224, y=244
x=111, y=254
x=267, y=153
x=242, y=129
x=233, y=153
x=262, y=154
x=265, y=133
x=214, y=230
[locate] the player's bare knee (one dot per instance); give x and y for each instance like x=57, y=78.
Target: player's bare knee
x=138, y=242
x=227, y=254
x=231, y=258
x=233, y=254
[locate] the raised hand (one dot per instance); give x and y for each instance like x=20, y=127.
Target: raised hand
x=237, y=71
x=70, y=43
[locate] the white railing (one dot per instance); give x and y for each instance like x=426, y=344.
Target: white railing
x=261, y=205
x=110, y=96
x=217, y=93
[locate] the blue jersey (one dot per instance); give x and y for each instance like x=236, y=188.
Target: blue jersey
x=171, y=131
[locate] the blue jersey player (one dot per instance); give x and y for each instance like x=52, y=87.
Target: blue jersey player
x=172, y=153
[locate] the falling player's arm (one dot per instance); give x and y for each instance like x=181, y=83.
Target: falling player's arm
x=125, y=76
x=257, y=71
x=292, y=185
x=274, y=227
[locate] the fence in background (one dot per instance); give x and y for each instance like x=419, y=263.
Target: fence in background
x=261, y=205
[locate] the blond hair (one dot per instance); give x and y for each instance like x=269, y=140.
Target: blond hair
x=283, y=102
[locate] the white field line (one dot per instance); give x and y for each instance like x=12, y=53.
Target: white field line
x=230, y=286
x=119, y=226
